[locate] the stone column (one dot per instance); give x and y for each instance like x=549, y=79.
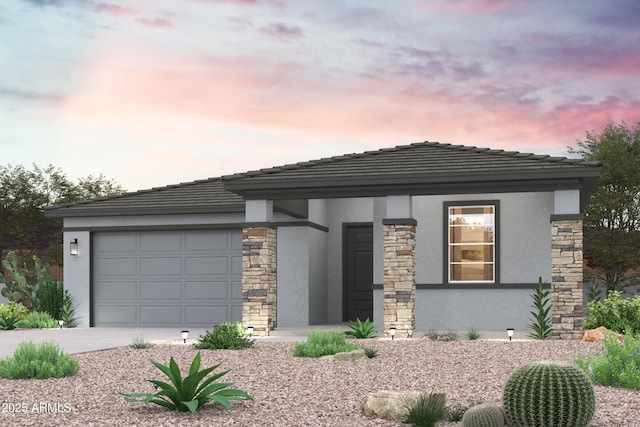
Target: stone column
x=259, y=279
x=399, y=276
x=566, y=277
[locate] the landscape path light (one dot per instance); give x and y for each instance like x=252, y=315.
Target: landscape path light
x=61, y=323
x=392, y=332
x=510, y=333
x=185, y=335
x=250, y=330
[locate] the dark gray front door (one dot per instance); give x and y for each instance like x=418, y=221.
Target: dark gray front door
x=358, y=272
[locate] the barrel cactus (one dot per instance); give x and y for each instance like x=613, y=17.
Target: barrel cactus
x=549, y=394
x=483, y=415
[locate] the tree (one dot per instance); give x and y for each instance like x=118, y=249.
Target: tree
x=612, y=218
x=24, y=194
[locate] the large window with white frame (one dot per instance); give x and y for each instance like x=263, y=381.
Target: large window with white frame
x=471, y=242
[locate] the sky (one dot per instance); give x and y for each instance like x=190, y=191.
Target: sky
x=152, y=93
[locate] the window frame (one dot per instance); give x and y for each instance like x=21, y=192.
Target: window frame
x=496, y=240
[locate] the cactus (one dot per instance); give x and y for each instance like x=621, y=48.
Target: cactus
x=549, y=394
x=23, y=289
x=483, y=415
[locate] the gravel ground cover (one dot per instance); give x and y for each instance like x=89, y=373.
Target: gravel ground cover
x=291, y=391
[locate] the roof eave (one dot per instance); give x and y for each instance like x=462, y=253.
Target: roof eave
x=82, y=211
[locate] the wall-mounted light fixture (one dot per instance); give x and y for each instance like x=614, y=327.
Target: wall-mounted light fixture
x=510, y=333
x=73, y=249
x=250, y=330
x=184, y=335
x=392, y=332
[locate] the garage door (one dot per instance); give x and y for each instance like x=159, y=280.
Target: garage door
x=167, y=278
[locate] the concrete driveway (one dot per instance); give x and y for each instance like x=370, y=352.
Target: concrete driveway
x=81, y=340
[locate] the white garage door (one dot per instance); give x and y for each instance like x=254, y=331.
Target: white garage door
x=167, y=278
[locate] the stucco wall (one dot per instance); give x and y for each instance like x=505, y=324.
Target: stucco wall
x=293, y=276
x=77, y=270
x=524, y=236
x=317, y=276
x=340, y=211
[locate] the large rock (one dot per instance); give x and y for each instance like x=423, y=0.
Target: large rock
x=598, y=334
x=347, y=356
x=390, y=405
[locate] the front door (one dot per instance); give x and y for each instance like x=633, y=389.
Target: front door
x=358, y=272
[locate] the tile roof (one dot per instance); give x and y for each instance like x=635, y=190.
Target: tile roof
x=420, y=168
x=203, y=196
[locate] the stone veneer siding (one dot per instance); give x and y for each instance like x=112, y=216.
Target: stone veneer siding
x=259, y=279
x=566, y=278
x=399, y=278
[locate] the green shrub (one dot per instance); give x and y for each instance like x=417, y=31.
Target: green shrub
x=50, y=297
x=541, y=325
x=370, y=352
x=617, y=365
x=188, y=394
x=427, y=410
x=228, y=335
x=39, y=361
x=614, y=313
x=435, y=335
x=483, y=415
x=140, y=343
x=549, y=394
x=14, y=309
x=323, y=343
x=593, y=292
x=456, y=412
x=37, y=320
x=68, y=311
x=11, y=314
x=362, y=330
x=473, y=334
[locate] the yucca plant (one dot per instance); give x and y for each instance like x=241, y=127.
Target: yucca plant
x=362, y=330
x=541, y=325
x=190, y=393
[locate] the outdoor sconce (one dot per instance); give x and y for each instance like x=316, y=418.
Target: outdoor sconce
x=73, y=250
x=61, y=323
x=250, y=330
x=185, y=335
x=392, y=332
x=510, y=333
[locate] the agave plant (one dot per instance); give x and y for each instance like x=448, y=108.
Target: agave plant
x=188, y=394
x=361, y=330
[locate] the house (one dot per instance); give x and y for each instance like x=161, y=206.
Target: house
x=426, y=235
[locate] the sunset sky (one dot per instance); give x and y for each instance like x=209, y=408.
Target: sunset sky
x=152, y=93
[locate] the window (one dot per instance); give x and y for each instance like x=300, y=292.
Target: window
x=471, y=243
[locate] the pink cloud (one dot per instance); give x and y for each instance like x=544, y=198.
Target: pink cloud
x=156, y=22
x=291, y=98
x=113, y=9
x=282, y=31
x=471, y=6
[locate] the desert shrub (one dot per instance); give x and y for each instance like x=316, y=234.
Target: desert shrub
x=615, y=313
x=473, y=334
x=188, y=393
x=370, y=352
x=362, y=330
x=541, y=325
x=593, y=292
x=456, y=412
x=323, y=343
x=50, y=298
x=11, y=314
x=228, y=335
x=549, y=394
x=435, y=335
x=427, y=410
x=38, y=320
x=39, y=361
x=616, y=365
x=138, y=342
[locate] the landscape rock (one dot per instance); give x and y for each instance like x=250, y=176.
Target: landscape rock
x=347, y=356
x=389, y=405
x=598, y=334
